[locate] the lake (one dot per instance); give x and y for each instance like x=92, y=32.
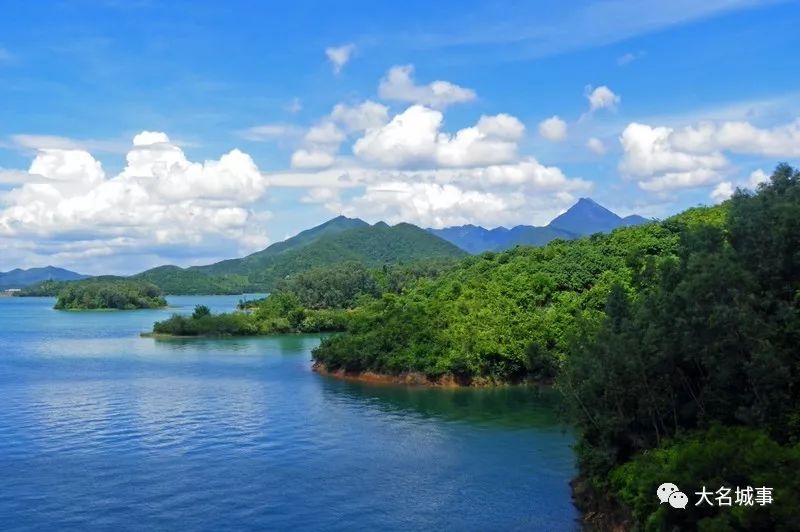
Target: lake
x=101, y=429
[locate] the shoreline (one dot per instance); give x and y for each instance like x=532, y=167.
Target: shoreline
x=415, y=378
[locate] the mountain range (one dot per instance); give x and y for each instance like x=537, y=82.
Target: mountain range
x=18, y=278
x=338, y=240
x=584, y=218
x=343, y=239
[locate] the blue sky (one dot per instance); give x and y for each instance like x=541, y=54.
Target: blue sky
x=448, y=113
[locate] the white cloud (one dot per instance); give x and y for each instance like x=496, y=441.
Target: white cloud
x=408, y=169
x=323, y=140
x=628, y=58
x=75, y=166
x=432, y=204
x=553, y=129
x=602, y=98
x=725, y=189
x=663, y=157
x=596, y=146
x=519, y=192
x=366, y=115
x=270, y=132
x=304, y=158
x=28, y=142
x=326, y=196
x=722, y=191
x=672, y=180
x=756, y=178
x=740, y=137
x=160, y=203
x=325, y=133
x=414, y=138
x=650, y=157
x=340, y=55
x=399, y=85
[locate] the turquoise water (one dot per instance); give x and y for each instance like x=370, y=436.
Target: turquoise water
x=101, y=429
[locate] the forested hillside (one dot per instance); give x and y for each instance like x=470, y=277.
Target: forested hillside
x=324, y=299
x=337, y=241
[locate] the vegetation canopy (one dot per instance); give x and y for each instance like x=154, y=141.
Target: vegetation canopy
x=97, y=293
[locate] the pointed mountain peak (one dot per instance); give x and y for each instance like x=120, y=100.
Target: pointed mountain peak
x=586, y=217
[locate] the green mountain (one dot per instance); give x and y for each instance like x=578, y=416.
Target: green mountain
x=246, y=265
x=336, y=241
x=176, y=280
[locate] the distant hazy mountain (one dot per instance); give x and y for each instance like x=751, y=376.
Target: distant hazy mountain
x=476, y=239
x=18, y=278
x=587, y=217
x=584, y=218
x=338, y=240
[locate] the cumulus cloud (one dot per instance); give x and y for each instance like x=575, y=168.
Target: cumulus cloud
x=596, y=146
x=414, y=138
x=159, y=199
x=553, y=129
x=725, y=189
x=602, y=98
x=722, y=191
x=399, y=85
x=650, y=157
x=323, y=140
x=524, y=191
x=661, y=158
x=325, y=133
x=740, y=137
x=366, y=115
x=340, y=55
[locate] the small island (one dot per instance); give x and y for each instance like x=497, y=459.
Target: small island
x=99, y=294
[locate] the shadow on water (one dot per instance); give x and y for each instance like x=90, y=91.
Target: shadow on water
x=512, y=406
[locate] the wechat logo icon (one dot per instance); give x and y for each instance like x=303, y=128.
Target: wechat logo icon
x=670, y=493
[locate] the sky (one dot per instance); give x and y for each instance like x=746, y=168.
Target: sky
x=138, y=133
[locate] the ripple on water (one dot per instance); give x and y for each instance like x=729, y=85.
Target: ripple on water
x=101, y=429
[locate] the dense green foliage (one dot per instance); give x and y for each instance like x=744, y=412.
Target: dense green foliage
x=98, y=293
x=370, y=245
x=721, y=456
x=706, y=337
x=48, y=288
x=175, y=280
x=498, y=316
x=319, y=300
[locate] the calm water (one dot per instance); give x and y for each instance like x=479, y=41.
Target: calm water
x=101, y=429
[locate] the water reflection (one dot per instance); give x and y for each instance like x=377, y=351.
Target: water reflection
x=513, y=406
